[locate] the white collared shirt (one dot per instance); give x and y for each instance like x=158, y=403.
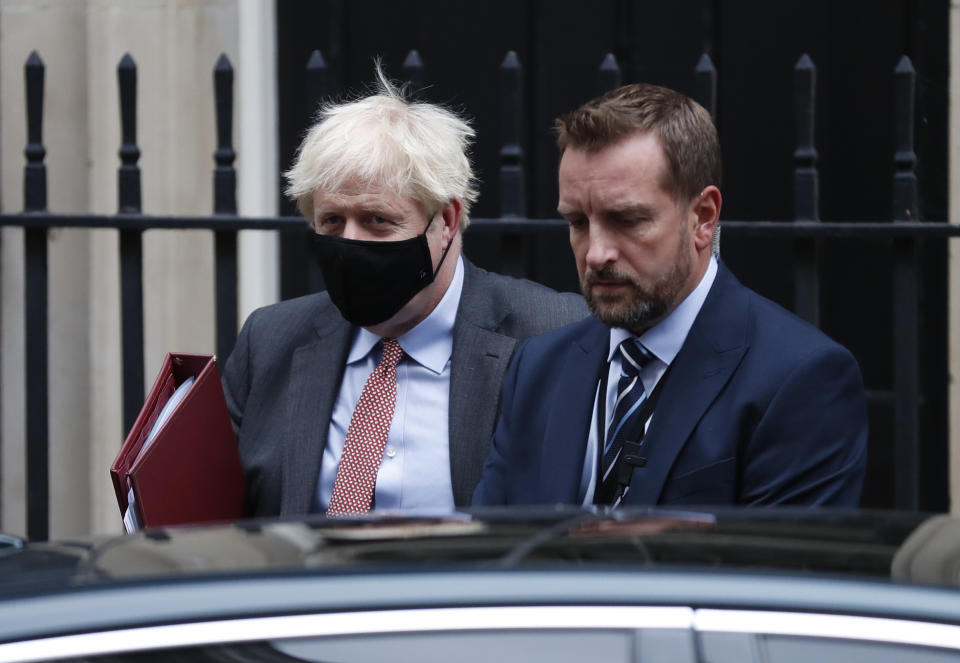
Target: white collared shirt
x=664, y=341
x=415, y=469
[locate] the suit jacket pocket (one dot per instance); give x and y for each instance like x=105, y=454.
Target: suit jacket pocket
x=710, y=484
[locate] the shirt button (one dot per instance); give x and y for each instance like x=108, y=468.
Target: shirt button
x=391, y=452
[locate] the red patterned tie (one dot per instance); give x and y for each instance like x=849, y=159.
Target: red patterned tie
x=366, y=437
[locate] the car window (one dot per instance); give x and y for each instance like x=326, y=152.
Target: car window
x=478, y=647
x=780, y=649
x=499, y=646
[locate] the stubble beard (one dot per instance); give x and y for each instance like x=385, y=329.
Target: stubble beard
x=642, y=307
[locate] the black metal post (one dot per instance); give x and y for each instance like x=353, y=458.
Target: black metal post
x=413, y=70
x=609, y=76
x=905, y=187
x=37, y=343
x=317, y=84
x=906, y=374
x=131, y=245
x=128, y=176
x=705, y=75
x=318, y=88
x=513, y=202
x=806, y=191
x=225, y=203
x=35, y=171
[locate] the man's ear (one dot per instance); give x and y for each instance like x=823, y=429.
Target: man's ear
x=451, y=213
x=705, y=210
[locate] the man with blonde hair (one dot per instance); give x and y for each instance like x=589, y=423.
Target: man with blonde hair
x=383, y=390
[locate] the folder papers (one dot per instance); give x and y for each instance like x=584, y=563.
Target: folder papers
x=179, y=463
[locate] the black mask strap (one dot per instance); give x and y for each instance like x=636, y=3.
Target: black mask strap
x=445, y=251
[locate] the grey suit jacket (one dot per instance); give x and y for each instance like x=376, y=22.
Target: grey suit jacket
x=283, y=377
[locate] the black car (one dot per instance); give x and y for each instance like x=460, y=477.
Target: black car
x=764, y=586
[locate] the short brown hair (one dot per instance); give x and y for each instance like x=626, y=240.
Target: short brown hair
x=685, y=130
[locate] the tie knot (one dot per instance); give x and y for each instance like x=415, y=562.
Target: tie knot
x=392, y=352
x=633, y=357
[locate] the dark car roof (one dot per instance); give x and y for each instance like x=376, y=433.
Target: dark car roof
x=847, y=562
x=842, y=542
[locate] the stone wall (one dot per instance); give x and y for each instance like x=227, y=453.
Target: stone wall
x=175, y=44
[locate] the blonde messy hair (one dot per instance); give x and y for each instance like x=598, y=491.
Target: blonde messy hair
x=415, y=150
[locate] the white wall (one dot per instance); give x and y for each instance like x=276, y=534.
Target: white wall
x=175, y=44
x=953, y=301
x=256, y=95
x=51, y=28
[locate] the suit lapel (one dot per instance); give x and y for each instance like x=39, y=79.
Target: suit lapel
x=314, y=391
x=570, y=410
x=711, y=353
x=479, y=360
x=475, y=380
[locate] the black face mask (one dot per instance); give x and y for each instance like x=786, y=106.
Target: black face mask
x=369, y=281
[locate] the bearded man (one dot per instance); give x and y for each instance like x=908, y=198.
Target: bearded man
x=684, y=387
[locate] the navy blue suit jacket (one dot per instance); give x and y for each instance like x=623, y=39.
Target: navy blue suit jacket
x=759, y=407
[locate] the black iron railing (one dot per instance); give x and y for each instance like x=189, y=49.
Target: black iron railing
x=512, y=232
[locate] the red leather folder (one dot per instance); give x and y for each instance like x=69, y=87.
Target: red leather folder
x=190, y=472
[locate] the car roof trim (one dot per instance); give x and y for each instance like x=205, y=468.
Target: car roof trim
x=232, y=597
x=231, y=631
x=847, y=627
x=347, y=623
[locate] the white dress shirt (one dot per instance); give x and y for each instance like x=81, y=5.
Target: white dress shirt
x=414, y=473
x=664, y=341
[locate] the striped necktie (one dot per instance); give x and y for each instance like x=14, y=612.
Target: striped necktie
x=624, y=424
